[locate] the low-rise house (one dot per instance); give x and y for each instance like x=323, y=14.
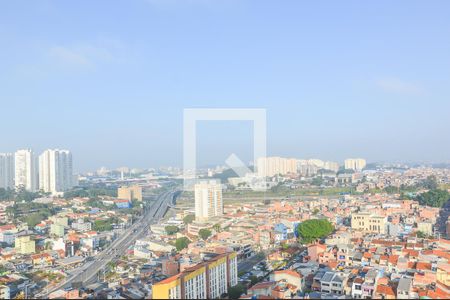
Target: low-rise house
x=370, y=281
x=404, y=288
x=288, y=276
x=314, y=250
x=332, y=283
x=42, y=259
x=262, y=289
x=357, y=288
x=443, y=273
x=384, y=292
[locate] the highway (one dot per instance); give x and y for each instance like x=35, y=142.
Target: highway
x=88, y=272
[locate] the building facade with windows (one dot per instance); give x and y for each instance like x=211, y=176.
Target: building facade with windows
x=25, y=170
x=6, y=170
x=207, y=280
x=55, y=171
x=130, y=193
x=208, y=200
x=367, y=222
x=355, y=164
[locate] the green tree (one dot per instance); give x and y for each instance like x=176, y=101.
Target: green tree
x=391, y=189
x=96, y=203
x=82, y=193
x=217, y=227
x=48, y=245
x=188, y=219
x=253, y=280
x=430, y=183
x=171, y=229
x=236, y=291
x=421, y=234
x=3, y=270
x=182, y=243
x=434, y=198
x=6, y=194
x=91, y=192
x=204, y=233
x=34, y=219
x=22, y=195
x=104, y=225
x=317, y=181
x=313, y=229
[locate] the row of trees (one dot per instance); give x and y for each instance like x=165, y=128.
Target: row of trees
x=434, y=198
x=30, y=212
x=183, y=242
x=91, y=192
x=20, y=195
x=6, y=194
x=203, y=233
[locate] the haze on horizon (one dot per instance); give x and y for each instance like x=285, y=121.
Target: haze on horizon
x=109, y=80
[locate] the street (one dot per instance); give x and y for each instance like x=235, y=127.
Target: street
x=88, y=272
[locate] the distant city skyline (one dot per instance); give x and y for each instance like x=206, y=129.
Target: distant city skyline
x=337, y=80
x=218, y=163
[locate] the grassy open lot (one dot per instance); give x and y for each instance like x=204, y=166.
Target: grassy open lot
x=286, y=193
x=186, y=200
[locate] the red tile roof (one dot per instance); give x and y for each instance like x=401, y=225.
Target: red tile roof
x=393, y=259
x=423, y=266
x=385, y=290
x=262, y=285
x=358, y=280
x=289, y=272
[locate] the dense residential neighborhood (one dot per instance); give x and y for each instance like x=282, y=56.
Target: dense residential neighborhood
x=220, y=240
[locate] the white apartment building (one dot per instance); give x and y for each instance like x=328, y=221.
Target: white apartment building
x=6, y=170
x=55, y=171
x=26, y=174
x=312, y=166
x=208, y=200
x=331, y=165
x=356, y=164
x=272, y=166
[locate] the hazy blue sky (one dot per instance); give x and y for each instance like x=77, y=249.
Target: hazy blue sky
x=109, y=79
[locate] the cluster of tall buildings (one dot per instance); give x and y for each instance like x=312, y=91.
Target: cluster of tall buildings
x=51, y=172
x=273, y=166
x=208, y=200
x=310, y=167
x=355, y=164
